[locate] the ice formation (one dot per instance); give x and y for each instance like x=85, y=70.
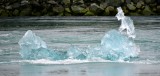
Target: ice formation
x=76, y=53
x=126, y=23
x=119, y=45
x=33, y=47
x=115, y=45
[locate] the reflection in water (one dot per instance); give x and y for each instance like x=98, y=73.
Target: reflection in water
x=86, y=69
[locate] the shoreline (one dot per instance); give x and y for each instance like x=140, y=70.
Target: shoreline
x=12, y=8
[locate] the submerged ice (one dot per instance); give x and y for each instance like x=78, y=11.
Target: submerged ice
x=115, y=45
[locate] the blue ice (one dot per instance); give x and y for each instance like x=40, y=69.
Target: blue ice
x=76, y=53
x=119, y=44
x=33, y=47
x=115, y=45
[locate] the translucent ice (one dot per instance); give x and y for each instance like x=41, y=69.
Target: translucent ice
x=126, y=23
x=76, y=53
x=33, y=47
x=31, y=41
x=116, y=46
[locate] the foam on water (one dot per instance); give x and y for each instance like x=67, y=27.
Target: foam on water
x=115, y=46
x=76, y=61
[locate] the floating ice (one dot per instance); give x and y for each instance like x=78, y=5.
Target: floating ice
x=76, y=53
x=115, y=45
x=33, y=47
x=31, y=41
x=126, y=23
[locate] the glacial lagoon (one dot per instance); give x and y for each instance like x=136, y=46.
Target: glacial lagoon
x=61, y=33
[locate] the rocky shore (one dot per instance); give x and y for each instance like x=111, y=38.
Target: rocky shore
x=78, y=7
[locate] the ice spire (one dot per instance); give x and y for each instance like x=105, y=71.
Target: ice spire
x=117, y=45
x=126, y=23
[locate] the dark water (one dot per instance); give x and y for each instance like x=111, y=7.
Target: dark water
x=62, y=32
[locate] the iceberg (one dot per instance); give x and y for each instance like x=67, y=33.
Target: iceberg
x=30, y=45
x=119, y=45
x=33, y=47
x=115, y=45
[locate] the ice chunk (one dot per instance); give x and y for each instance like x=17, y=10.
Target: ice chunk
x=126, y=23
x=76, y=53
x=30, y=40
x=33, y=47
x=29, y=45
x=116, y=46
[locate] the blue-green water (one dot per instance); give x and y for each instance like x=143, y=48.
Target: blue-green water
x=61, y=32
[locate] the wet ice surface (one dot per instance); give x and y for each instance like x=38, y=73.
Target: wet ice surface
x=82, y=32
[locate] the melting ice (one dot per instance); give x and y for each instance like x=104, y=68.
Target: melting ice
x=33, y=47
x=126, y=23
x=119, y=45
x=115, y=45
x=30, y=45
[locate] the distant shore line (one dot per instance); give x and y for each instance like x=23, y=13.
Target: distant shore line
x=10, y=8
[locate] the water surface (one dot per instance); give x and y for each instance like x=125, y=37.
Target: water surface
x=61, y=32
